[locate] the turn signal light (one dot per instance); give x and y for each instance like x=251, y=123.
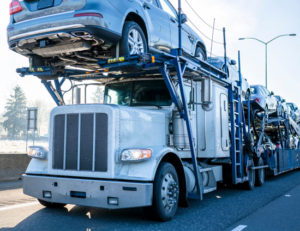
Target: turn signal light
x=15, y=7
x=136, y=154
x=257, y=100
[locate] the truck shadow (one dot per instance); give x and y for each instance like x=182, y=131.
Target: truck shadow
x=83, y=218
x=217, y=211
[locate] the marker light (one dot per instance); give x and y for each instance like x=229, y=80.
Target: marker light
x=38, y=152
x=89, y=14
x=136, y=154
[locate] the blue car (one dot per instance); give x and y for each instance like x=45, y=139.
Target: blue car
x=59, y=33
x=232, y=73
x=262, y=99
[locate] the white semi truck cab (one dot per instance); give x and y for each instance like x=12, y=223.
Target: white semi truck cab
x=131, y=151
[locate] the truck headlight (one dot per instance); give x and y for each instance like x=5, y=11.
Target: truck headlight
x=136, y=154
x=38, y=152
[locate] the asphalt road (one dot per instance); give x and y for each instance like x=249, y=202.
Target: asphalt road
x=274, y=206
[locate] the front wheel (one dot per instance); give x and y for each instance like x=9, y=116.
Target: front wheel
x=165, y=192
x=200, y=53
x=133, y=40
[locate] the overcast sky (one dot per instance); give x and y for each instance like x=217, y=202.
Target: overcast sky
x=263, y=19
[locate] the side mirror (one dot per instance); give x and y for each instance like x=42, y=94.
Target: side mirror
x=272, y=93
x=283, y=101
x=296, y=108
x=183, y=18
x=232, y=62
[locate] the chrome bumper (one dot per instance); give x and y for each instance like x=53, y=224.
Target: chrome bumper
x=86, y=192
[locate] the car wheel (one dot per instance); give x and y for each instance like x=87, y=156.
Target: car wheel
x=165, y=192
x=133, y=40
x=51, y=205
x=200, y=53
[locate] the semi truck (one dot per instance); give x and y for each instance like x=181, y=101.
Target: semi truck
x=170, y=128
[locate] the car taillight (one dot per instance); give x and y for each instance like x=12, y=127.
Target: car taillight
x=15, y=7
x=257, y=100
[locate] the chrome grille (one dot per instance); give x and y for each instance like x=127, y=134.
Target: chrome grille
x=80, y=142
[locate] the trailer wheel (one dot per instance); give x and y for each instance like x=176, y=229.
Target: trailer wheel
x=260, y=173
x=51, y=205
x=251, y=175
x=165, y=192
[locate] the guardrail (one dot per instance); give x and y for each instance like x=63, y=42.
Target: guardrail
x=12, y=166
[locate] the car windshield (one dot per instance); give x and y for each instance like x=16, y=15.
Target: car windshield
x=138, y=93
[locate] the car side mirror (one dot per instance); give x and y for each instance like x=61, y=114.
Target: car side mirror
x=272, y=93
x=232, y=62
x=296, y=108
x=183, y=18
x=283, y=101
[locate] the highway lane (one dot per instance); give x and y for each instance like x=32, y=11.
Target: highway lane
x=225, y=209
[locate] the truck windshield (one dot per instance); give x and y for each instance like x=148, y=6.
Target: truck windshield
x=138, y=93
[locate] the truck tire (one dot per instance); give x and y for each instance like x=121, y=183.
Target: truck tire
x=260, y=173
x=165, y=192
x=133, y=40
x=250, y=184
x=50, y=204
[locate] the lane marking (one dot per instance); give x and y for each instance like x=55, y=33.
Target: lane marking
x=288, y=195
x=18, y=206
x=240, y=228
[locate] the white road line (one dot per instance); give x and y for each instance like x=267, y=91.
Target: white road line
x=240, y=228
x=18, y=206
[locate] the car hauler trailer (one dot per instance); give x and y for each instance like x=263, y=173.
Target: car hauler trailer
x=174, y=127
x=158, y=153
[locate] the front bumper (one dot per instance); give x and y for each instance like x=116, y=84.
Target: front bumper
x=89, y=192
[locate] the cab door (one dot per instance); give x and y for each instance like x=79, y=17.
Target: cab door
x=158, y=25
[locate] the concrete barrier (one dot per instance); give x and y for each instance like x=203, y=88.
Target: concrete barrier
x=12, y=166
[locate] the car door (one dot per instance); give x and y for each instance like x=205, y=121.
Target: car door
x=159, y=26
x=167, y=7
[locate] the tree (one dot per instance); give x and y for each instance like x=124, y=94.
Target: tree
x=98, y=95
x=15, y=115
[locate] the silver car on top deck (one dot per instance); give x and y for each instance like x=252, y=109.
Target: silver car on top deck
x=58, y=33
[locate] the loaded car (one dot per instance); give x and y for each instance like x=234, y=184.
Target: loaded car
x=282, y=108
x=78, y=32
x=295, y=112
x=232, y=72
x=262, y=99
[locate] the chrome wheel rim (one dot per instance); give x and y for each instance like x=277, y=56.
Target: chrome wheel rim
x=135, y=42
x=169, y=192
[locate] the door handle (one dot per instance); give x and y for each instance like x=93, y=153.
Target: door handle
x=146, y=6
